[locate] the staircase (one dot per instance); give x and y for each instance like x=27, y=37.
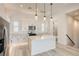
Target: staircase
x=71, y=41
x=67, y=50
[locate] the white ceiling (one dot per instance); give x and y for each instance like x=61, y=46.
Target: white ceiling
x=57, y=8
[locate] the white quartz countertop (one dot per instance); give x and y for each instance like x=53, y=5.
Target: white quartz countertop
x=41, y=37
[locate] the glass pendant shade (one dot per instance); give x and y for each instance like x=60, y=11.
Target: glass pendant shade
x=44, y=12
x=51, y=19
x=44, y=18
x=36, y=17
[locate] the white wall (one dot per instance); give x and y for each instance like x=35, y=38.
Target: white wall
x=61, y=23
x=4, y=13
x=76, y=33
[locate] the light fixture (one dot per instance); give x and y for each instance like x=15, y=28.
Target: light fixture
x=51, y=18
x=36, y=16
x=21, y=5
x=44, y=12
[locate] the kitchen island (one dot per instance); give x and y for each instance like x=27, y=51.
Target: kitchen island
x=41, y=43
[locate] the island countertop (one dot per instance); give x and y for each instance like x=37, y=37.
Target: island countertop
x=41, y=37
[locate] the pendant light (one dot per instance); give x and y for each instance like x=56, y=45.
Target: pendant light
x=44, y=12
x=36, y=16
x=51, y=18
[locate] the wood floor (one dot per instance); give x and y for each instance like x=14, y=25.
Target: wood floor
x=49, y=53
x=61, y=50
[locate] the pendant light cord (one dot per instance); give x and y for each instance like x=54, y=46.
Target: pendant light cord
x=35, y=9
x=51, y=9
x=44, y=10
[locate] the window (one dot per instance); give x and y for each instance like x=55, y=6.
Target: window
x=16, y=26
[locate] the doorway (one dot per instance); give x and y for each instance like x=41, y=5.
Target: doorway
x=73, y=30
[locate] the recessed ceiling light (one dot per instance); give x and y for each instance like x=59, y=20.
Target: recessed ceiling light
x=21, y=5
